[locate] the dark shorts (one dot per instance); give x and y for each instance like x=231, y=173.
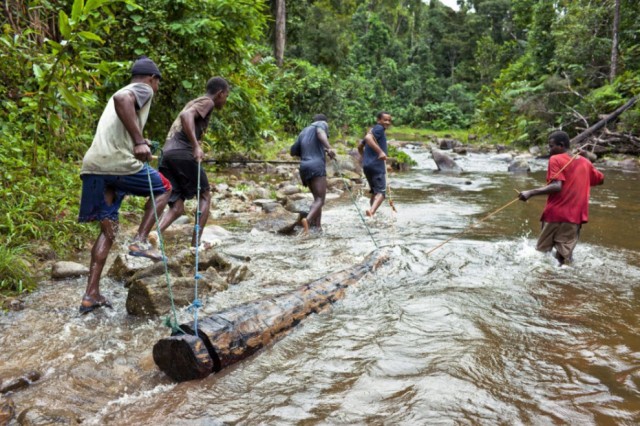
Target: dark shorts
x=377, y=181
x=562, y=236
x=310, y=170
x=183, y=175
x=93, y=205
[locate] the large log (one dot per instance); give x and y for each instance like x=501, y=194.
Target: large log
x=238, y=332
x=606, y=119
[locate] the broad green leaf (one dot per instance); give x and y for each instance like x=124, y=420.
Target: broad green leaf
x=69, y=97
x=187, y=84
x=37, y=71
x=65, y=28
x=90, y=36
x=76, y=10
x=93, y=4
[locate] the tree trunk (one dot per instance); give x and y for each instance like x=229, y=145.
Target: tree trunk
x=614, y=43
x=236, y=333
x=280, y=35
x=610, y=117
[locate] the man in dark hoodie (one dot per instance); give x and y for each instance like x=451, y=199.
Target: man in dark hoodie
x=311, y=146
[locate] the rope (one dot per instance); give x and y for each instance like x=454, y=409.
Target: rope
x=503, y=207
x=196, y=304
x=472, y=226
x=386, y=178
x=355, y=203
x=168, y=322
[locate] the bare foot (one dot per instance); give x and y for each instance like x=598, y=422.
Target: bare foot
x=368, y=213
x=305, y=225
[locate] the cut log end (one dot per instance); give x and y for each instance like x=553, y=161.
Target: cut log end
x=183, y=357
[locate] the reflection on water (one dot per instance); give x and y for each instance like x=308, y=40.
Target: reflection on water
x=485, y=330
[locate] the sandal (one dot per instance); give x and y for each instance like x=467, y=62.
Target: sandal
x=141, y=249
x=93, y=304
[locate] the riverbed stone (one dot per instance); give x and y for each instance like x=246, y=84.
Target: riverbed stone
x=65, y=269
x=18, y=383
x=125, y=266
x=280, y=221
x=150, y=296
x=41, y=416
x=519, y=165
x=444, y=162
x=7, y=410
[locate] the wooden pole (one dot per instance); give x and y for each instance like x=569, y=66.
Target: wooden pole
x=236, y=333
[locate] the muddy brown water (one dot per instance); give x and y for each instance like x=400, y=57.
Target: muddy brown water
x=484, y=330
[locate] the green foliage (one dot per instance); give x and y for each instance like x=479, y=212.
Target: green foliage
x=401, y=156
x=15, y=272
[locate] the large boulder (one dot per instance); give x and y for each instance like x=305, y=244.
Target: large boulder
x=148, y=288
x=519, y=165
x=444, y=162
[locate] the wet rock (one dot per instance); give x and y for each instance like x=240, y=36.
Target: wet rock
x=13, y=304
x=448, y=144
x=629, y=164
x=519, y=165
x=535, y=150
x=289, y=190
x=214, y=235
x=125, y=266
x=460, y=150
x=280, y=221
x=258, y=192
x=444, y=162
x=20, y=382
x=150, y=296
x=238, y=273
x=301, y=206
x=268, y=205
x=63, y=269
x=507, y=157
x=342, y=165
x=41, y=416
x=7, y=410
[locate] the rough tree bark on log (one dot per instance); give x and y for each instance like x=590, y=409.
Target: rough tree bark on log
x=238, y=332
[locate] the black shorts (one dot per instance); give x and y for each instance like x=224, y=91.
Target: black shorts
x=377, y=181
x=183, y=175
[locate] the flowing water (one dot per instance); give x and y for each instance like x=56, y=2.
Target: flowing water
x=483, y=330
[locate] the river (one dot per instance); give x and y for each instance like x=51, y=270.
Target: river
x=482, y=330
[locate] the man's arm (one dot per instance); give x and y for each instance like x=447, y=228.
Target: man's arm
x=322, y=136
x=125, y=105
x=554, y=186
x=374, y=145
x=188, y=121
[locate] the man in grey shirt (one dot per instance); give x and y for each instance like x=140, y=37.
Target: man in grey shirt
x=116, y=165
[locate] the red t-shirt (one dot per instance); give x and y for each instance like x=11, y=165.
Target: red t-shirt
x=571, y=204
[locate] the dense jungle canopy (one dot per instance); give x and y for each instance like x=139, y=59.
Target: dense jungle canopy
x=506, y=70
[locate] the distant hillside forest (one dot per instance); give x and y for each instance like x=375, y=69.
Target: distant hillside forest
x=506, y=70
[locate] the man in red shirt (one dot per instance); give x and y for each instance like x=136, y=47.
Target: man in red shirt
x=569, y=180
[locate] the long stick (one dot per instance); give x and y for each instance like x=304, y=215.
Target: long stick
x=471, y=226
x=386, y=178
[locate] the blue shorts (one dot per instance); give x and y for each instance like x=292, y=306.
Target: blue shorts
x=93, y=205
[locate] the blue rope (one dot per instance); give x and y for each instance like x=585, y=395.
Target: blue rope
x=172, y=324
x=196, y=304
